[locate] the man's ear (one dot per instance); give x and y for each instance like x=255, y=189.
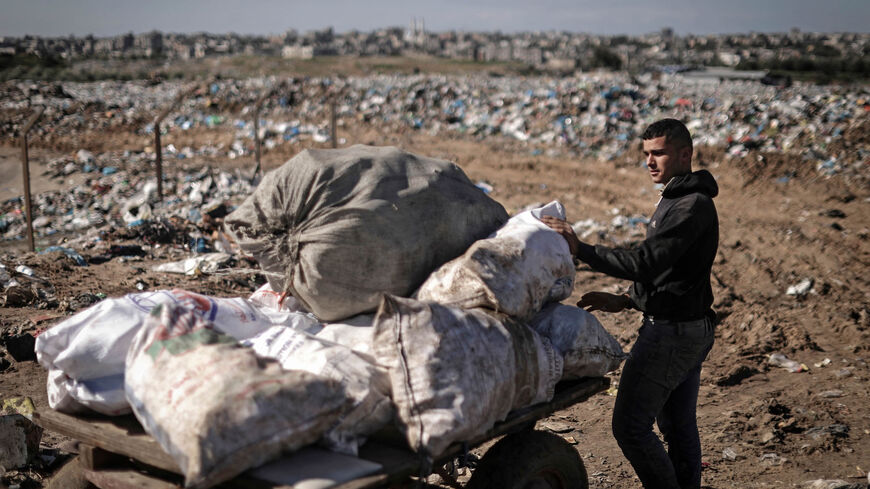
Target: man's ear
x=686, y=157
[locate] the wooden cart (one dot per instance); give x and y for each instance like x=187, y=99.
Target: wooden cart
x=115, y=453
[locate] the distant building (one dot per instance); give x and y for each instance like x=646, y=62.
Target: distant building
x=297, y=52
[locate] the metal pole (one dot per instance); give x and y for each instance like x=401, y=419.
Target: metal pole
x=158, y=162
x=257, y=139
x=332, y=120
x=25, y=172
x=158, y=149
x=257, y=147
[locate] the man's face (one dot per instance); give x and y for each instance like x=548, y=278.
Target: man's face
x=665, y=160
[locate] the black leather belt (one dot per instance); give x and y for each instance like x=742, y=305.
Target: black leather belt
x=680, y=327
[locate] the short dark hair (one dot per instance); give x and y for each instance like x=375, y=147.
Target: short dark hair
x=673, y=131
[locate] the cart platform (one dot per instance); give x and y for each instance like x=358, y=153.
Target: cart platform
x=116, y=453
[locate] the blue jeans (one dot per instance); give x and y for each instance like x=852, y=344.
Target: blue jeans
x=660, y=383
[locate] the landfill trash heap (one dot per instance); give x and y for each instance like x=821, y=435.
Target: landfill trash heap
x=598, y=115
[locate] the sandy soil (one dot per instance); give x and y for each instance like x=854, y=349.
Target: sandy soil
x=783, y=428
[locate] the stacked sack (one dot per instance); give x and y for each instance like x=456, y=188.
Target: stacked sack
x=341, y=234
x=478, y=340
x=207, y=377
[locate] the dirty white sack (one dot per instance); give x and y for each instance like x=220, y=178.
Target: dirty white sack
x=587, y=348
x=456, y=372
x=515, y=271
x=365, y=383
x=216, y=407
x=84, y=354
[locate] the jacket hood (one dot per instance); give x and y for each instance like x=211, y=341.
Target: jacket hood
x=699, y=181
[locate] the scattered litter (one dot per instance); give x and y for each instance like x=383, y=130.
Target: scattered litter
x=558, y=426
x=80, y=261
x=800, y=289
x=780, y=360
x=772, y=459
x=729, y=454
x=843, y=373
x=823, y=363
x=25, y=270
x=831, y=393
x=487, y=188
x=832, y=484
x=834, y=430
x=207, y=263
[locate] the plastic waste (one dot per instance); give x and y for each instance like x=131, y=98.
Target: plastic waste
x=780, y=360
x=80, y=261
x=203, y=264
x=800, y=289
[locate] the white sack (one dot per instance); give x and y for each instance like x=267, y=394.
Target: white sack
x=455, y=372
x=515, y=271
x=270, y=301
x=337, y=228
x=588, y=349
x=85, y=353
x=365, y=383
x=355, y=333
x=216, y=407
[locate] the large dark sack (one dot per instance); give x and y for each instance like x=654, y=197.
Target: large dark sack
x=338, y=228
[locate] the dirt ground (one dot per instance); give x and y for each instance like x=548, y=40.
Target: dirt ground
x=761, y=425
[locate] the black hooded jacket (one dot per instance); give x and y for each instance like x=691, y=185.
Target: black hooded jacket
x=671, y=267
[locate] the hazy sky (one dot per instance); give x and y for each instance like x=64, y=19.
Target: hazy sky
x=111, y=17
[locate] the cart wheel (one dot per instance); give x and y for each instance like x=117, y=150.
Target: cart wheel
x=530, y=460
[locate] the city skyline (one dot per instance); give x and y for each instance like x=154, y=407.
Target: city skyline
x=101, y=18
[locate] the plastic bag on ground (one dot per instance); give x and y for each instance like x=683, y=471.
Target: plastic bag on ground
x=515, y=271
x=455, y=372
x=338, y=228
x=216, y=407
x=366, y=384
x=84, y=354
x=587, y=348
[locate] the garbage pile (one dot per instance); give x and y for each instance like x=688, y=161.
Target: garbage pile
x=118, y=199
x=596, y=115
x=210, y=378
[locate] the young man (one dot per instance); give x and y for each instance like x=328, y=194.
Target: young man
x=671, y=274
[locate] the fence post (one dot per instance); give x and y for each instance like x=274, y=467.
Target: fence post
x=25, y=172
x=332, y=120
x=158, y=148
x=257, y=151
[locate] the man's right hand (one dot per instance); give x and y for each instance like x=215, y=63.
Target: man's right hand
x=562, y=227
x=604, y=301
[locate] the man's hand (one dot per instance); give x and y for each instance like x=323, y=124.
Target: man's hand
x=562, y=227
x=603, y=301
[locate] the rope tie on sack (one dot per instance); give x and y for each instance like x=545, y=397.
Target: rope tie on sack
x=292, y=242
